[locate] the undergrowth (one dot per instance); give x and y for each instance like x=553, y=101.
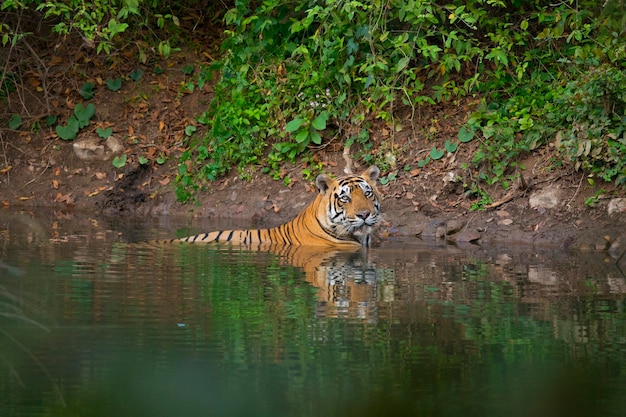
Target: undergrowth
x=295, y=78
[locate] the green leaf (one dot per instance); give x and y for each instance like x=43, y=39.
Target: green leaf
x=119, y=161
x=319, y=123
x=51, y=120
x=190, y=130
x=84, y=114
x=294, y=125
x=436, y=153
x=114, y=84
x=15, y=122
x=316, y=138
x=451, y=147
x=466, y=134
x=69, y=131
x=188, y=69
x=402, y=63
x=137, y=74
x=143, y=160
x=423, y=162
x=524, y=24
x=86, y=91
x=104, y=133
x=302, y=136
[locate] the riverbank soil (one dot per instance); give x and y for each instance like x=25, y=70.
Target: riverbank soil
x=545, y=204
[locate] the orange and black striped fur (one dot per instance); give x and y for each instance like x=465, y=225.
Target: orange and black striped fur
x=342, y=214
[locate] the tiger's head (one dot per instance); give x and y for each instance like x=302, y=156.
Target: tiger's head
x=349, y=205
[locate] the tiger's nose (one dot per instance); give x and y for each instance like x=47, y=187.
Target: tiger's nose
x=363, y=214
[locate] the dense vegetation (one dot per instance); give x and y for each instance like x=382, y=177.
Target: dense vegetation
x=298, y=75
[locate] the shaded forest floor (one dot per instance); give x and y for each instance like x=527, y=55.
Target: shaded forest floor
x=547, y=205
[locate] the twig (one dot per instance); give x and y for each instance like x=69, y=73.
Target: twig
x=582, y=177
x=346, y=157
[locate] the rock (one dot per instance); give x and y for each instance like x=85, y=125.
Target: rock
x=545, y=199
x=454, y=226
x=115, y=146
x=616, y=249
x=617, y=206
x=434, y=228
x=441, y=228
x=89, y=149
x=602, y=244
x=465, y=236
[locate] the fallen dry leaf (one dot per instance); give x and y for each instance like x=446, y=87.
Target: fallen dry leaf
x=64, y=198
x=26, y=198
x=6, y=169
x=57, y=171
x=410, y=195
x=161, y=126
x=5, y=203
x=34, y=82
x=96, y=191
x=101, y=175
x=415, y=172
x=164, y=181
x=55, y=184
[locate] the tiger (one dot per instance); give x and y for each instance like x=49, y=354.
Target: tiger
x=343, y=214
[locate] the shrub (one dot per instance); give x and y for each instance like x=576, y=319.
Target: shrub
x=310, y=72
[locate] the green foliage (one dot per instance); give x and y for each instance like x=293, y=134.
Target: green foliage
x=119, y=161
x=188, y=69
x=114, y=84
x=102, y=22
x=595, y=199
x=15, y=122
x=136, y=75
x=592, y=118
x=190, y=130
x=87, y=91
x=80, y=119
x=287, y=65
x=436, y=153
x=69, y=131
x=104, y=133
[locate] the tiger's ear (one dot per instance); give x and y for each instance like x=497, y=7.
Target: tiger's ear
x=371, y=173
x=323, y=183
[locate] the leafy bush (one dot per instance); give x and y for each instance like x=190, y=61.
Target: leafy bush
x=296, y=76
x=593, y=120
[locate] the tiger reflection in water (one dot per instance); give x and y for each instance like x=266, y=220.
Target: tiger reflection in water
x=325, y=240
x=347, y=284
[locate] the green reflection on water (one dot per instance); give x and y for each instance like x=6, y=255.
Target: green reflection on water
x=188, y=331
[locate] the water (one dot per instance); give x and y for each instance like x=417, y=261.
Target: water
x=93, y=323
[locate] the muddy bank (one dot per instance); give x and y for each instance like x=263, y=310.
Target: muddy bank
x=427, y=206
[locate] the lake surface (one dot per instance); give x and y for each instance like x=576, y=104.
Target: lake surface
x=95, y=323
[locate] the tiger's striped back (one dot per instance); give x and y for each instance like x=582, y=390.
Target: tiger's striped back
x=342, y=214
